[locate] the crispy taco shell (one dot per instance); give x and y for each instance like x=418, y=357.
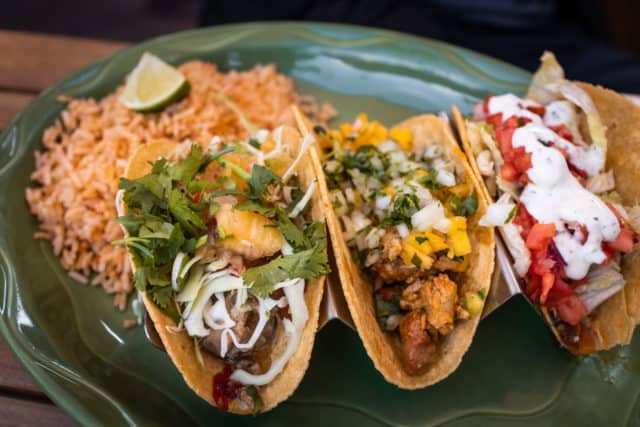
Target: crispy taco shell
x=358, y=291
x=180, y=347
x=614, y=320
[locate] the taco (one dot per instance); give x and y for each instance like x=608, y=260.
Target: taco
x=402, y=209
x=228, y=245
x=562, y=165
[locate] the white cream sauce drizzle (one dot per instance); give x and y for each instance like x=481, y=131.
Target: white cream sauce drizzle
x=554, y=195
x=589, y=158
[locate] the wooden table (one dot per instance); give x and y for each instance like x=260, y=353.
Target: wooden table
x=29, y=63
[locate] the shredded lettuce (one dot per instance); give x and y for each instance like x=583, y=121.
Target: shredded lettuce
x=603, y=281
x=549, y=84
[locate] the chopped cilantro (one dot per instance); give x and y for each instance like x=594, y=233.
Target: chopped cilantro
x=385, y=308
x=252, y=205
x=421, y=239
x=431, y=180
x=464, y=207
x=254, y=143
x=307, y=264
x=512, y=214
x=404, y=206
x=367, y=159
x=260, y=179
x=415, y=260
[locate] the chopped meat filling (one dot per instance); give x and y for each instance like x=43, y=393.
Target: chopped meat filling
x=416, y=344
x=391, y=244
x=438, y=296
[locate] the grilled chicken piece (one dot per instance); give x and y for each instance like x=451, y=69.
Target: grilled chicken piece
x=438, y=296
x=395, y=271
x=391, y=244
x=444, y=263
x=416, y=346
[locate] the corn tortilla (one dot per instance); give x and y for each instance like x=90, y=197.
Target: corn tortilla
x=180, y=347
x=358, y=291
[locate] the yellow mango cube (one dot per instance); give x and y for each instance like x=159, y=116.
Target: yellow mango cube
x=457, y=237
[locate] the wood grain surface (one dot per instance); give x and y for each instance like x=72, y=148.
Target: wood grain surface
x=29, y=63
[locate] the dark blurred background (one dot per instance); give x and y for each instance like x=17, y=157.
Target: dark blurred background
x=596, y=40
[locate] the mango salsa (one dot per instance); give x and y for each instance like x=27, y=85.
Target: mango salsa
x=457, y=237
x=403, y=137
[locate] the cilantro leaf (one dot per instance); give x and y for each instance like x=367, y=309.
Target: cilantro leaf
x=260, y=179
x=431, y=180
x=307, y=264
x=188, y=168
x=139, y=195
x=252, y=205
x=464, y=207
x=291, y=232
x=404, y=206
x=179, y=208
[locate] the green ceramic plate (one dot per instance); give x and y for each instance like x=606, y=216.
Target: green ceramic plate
x=71, y=340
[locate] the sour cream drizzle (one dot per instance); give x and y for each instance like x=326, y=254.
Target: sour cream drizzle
x=554, y=195
x=588, y=158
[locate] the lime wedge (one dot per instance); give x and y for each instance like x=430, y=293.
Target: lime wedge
x=153, y=84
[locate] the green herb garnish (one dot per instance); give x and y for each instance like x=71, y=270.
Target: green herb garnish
x=512, y=214
x=464, y=207
x=404, y=206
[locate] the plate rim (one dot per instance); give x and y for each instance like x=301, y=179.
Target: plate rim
x=17, y=341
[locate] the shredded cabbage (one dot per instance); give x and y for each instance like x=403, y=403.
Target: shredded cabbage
x=603, y=281
x=601, y=182
x=549, y=84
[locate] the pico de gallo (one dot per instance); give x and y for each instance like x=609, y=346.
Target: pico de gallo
x=404, y=210
x=558, y=211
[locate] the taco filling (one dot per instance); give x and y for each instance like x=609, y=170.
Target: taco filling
x=403, y=212
x=222, y=241
x=559, y=212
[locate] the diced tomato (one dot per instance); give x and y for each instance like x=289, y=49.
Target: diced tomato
x=615, y=212
x=494, y=120
x=563, y=131
x=508, y=172
x=548, y=279
x=559, y=292
x=504, y=132
x=539, y=236
x=524, y=219
x=541, y=264
x=485, y=103
x=533, y=285
x=572, y=310
x=537, y=109
x=609, y=252
x=624, y=241
x=578, y=173
x=521, y=159
x=197, y=196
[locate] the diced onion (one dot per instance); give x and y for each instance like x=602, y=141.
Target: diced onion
x=299, y=207
x=175, y=270
x=403, y=230
x=428, y=216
